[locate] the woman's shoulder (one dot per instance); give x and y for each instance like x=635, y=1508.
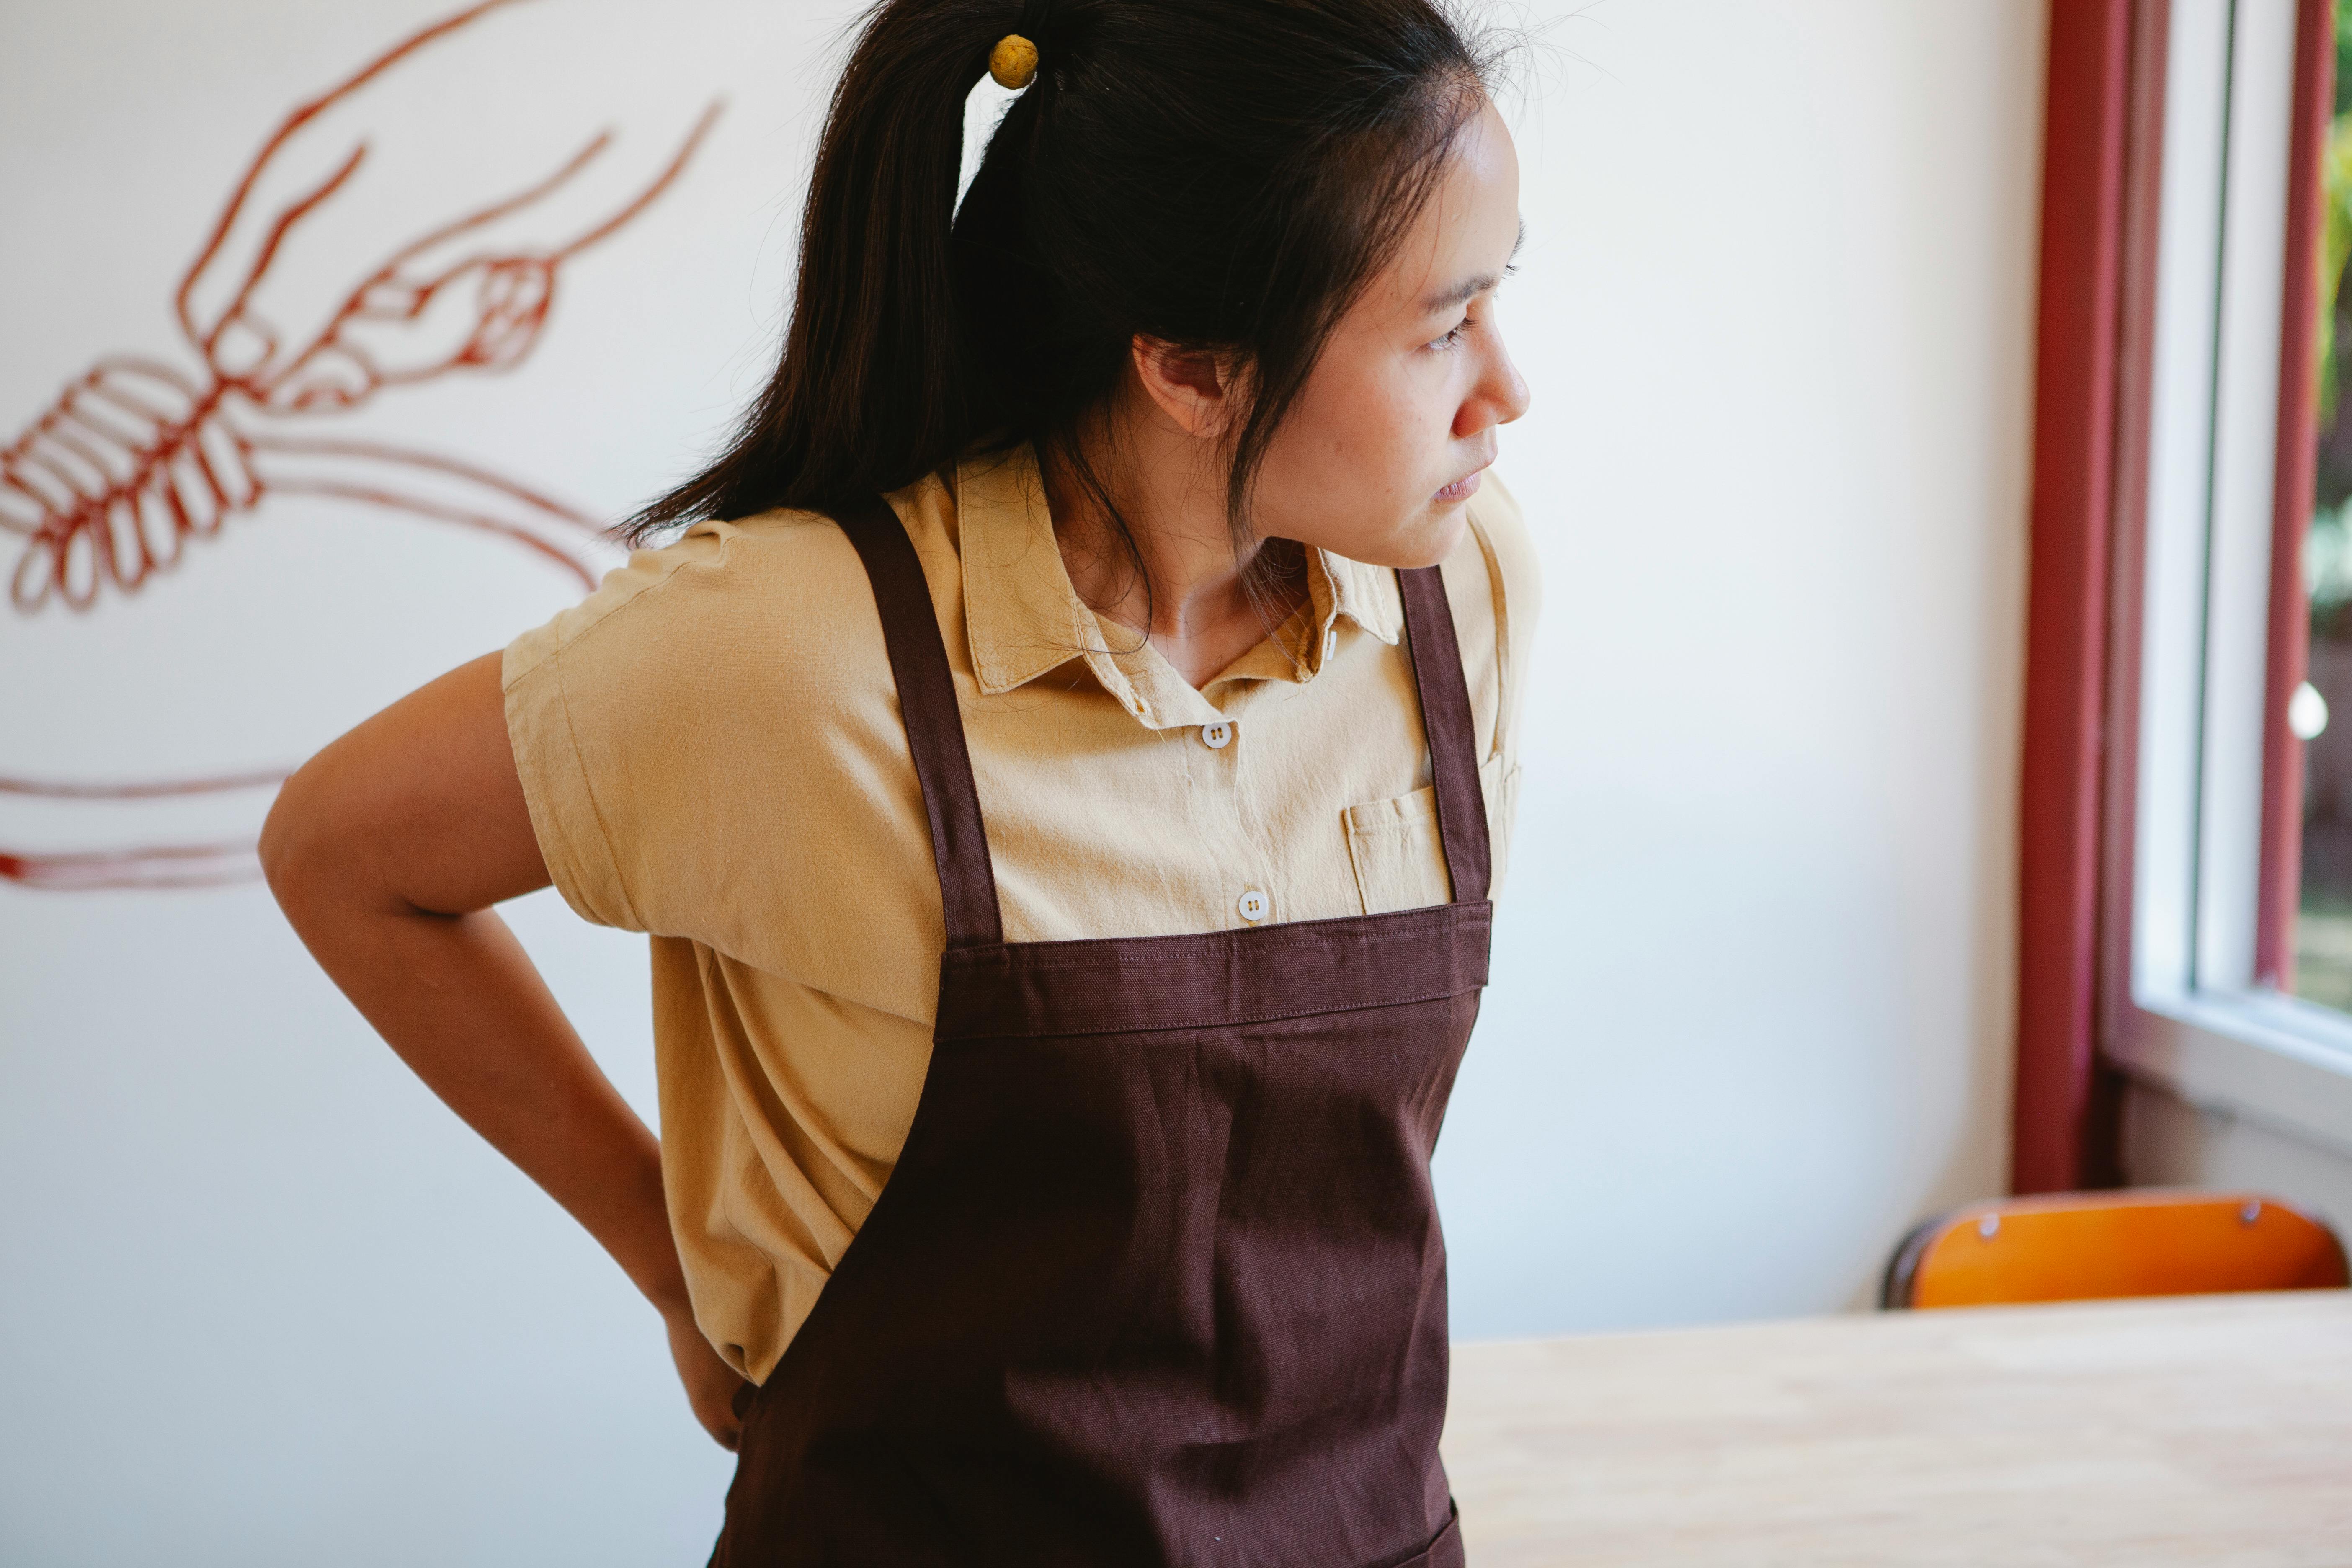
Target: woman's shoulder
x=1498, y=531
x=657, y=725
x=1496, y=588
x=1493, y=576
x=717, y=592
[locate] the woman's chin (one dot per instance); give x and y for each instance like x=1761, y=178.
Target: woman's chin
x=1425, y=541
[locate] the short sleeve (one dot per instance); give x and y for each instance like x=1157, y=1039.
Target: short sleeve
x=575, y=689
x=710, y=747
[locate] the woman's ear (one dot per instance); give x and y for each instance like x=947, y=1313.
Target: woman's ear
x=1196, y=388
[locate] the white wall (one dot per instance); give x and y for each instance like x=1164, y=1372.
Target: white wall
x=1751, y=1015
x=2167, y=1143
x=267, y=1303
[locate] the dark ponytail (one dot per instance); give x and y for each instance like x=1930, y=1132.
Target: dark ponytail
x=1220, y=175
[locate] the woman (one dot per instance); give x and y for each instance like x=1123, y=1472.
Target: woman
x=1057, y=767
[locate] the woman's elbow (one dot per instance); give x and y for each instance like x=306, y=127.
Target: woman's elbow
x=294, y=836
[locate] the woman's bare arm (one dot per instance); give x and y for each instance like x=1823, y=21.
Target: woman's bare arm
x=387, y=851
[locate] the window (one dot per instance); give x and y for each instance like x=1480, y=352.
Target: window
x=2321, y=951
x=2228, y=852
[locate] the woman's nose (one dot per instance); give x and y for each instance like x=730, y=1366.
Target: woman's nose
x=1500, y=396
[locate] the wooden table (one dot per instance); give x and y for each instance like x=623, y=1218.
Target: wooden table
x=2210, y=1430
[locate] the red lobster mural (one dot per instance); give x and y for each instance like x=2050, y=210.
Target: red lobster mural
x=139, y=457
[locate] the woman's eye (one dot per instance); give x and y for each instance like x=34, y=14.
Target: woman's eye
x=1453, y=337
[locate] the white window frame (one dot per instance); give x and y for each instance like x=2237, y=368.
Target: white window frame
x=2182, y=1008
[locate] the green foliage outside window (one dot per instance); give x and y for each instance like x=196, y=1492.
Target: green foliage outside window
x=2327, y=551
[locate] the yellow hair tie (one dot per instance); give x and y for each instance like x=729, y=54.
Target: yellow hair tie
x=1014, y=62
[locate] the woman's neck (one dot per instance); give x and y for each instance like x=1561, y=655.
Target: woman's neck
x=1195, y=593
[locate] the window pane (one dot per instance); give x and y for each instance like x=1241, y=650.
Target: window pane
x=2322, y=711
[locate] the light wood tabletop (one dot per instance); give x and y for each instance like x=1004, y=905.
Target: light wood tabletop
x=2206, y=1430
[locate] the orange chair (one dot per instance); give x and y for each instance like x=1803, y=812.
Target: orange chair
x=2070, y=1247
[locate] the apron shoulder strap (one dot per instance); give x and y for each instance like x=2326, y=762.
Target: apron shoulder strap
x=927, y=702
x=1453, y=738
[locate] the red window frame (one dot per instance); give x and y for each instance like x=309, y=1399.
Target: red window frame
x=2101, y=180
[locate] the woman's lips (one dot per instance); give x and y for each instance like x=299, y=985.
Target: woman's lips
x=1462, y=488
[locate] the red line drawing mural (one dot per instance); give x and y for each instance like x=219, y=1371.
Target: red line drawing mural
x=306, y=301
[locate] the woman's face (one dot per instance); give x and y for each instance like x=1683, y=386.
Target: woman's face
x=1380, y=454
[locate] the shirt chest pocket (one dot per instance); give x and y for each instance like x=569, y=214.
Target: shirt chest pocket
x=1399, y=860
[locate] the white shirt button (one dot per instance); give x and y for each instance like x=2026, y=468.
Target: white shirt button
x=1331, y=642
x=1217, y=736
x=1255, y=905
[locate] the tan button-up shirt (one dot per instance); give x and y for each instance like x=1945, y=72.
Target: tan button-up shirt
x=712, y=754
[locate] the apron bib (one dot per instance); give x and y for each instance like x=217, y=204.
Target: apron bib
x=1158, y=1277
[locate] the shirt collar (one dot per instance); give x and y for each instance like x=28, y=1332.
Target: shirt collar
x=1024, y=618
x=1367, y=595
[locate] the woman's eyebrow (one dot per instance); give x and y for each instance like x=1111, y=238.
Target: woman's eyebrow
x=1471, y=288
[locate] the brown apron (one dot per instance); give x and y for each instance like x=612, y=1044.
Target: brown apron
x=1158, y=1277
